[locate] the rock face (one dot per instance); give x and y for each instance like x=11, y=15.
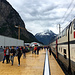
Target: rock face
x=45, y=37
x=8, y=19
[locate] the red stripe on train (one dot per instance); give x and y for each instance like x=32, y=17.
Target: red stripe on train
x=74, y=34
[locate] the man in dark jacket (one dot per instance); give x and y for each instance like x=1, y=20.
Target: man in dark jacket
x=12, y=54
x=38, y=48
x=50, y=50
x=19, y=56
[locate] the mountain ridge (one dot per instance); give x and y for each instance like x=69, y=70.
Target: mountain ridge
x=9, y=17
x=45, y=37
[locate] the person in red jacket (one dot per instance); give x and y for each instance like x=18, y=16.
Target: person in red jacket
x=4, y=55
x=35, y=49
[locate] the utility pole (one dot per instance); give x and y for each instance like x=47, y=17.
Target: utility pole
x=19, y=30
x=59, y=29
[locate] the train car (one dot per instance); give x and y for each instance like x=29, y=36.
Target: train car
x=64, y=47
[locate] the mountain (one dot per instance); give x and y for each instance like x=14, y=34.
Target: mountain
x=9, y=17
x=45, y=37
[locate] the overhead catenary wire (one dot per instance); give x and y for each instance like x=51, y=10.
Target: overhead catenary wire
x=68, y=14
x=68, y=23
x=67, y=9
x=63, y=17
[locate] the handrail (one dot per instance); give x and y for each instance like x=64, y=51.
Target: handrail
x=46, y=70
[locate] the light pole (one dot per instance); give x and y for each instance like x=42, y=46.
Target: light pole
x=19, y=30
x=59, y=29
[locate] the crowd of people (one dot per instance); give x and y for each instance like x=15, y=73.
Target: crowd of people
x=9, y=54
x=36, y=50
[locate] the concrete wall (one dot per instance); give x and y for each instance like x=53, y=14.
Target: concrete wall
x=7, y=41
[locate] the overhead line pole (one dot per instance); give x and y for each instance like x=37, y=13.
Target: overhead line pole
x=59, y=29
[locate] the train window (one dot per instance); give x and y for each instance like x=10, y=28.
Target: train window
x=66, y=32
x=65, y=53
x=63, y=32
x=58, y=37
x=74, y=26
x=71, y=30
x=61, y=49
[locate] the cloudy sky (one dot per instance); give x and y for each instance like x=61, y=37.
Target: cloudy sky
x=40, y=15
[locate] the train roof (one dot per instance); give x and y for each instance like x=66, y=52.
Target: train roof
x=59, y=35
x=68, y=26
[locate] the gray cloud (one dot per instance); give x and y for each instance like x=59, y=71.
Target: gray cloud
x=40, y=15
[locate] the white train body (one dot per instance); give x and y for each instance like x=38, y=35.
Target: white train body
x=64, y=49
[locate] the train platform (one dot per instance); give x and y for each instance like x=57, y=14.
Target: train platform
x=55, y=69
x=31, y=65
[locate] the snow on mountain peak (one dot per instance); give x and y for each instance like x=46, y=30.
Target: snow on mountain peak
x=46, y=32
x=45, y=37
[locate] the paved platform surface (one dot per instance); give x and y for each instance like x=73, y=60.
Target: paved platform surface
x=55, y=69
x=31, y=65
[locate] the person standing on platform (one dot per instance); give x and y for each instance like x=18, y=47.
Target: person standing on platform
x=4, y=55
x=7, y=54
x=32, y=50
x=12, y=54
x=35, y=49
x=24, y=52
x=50, y=50
x=44, y=47
x=21, y=48
x=47, y=47
x=19, y=56
x=38, y=48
